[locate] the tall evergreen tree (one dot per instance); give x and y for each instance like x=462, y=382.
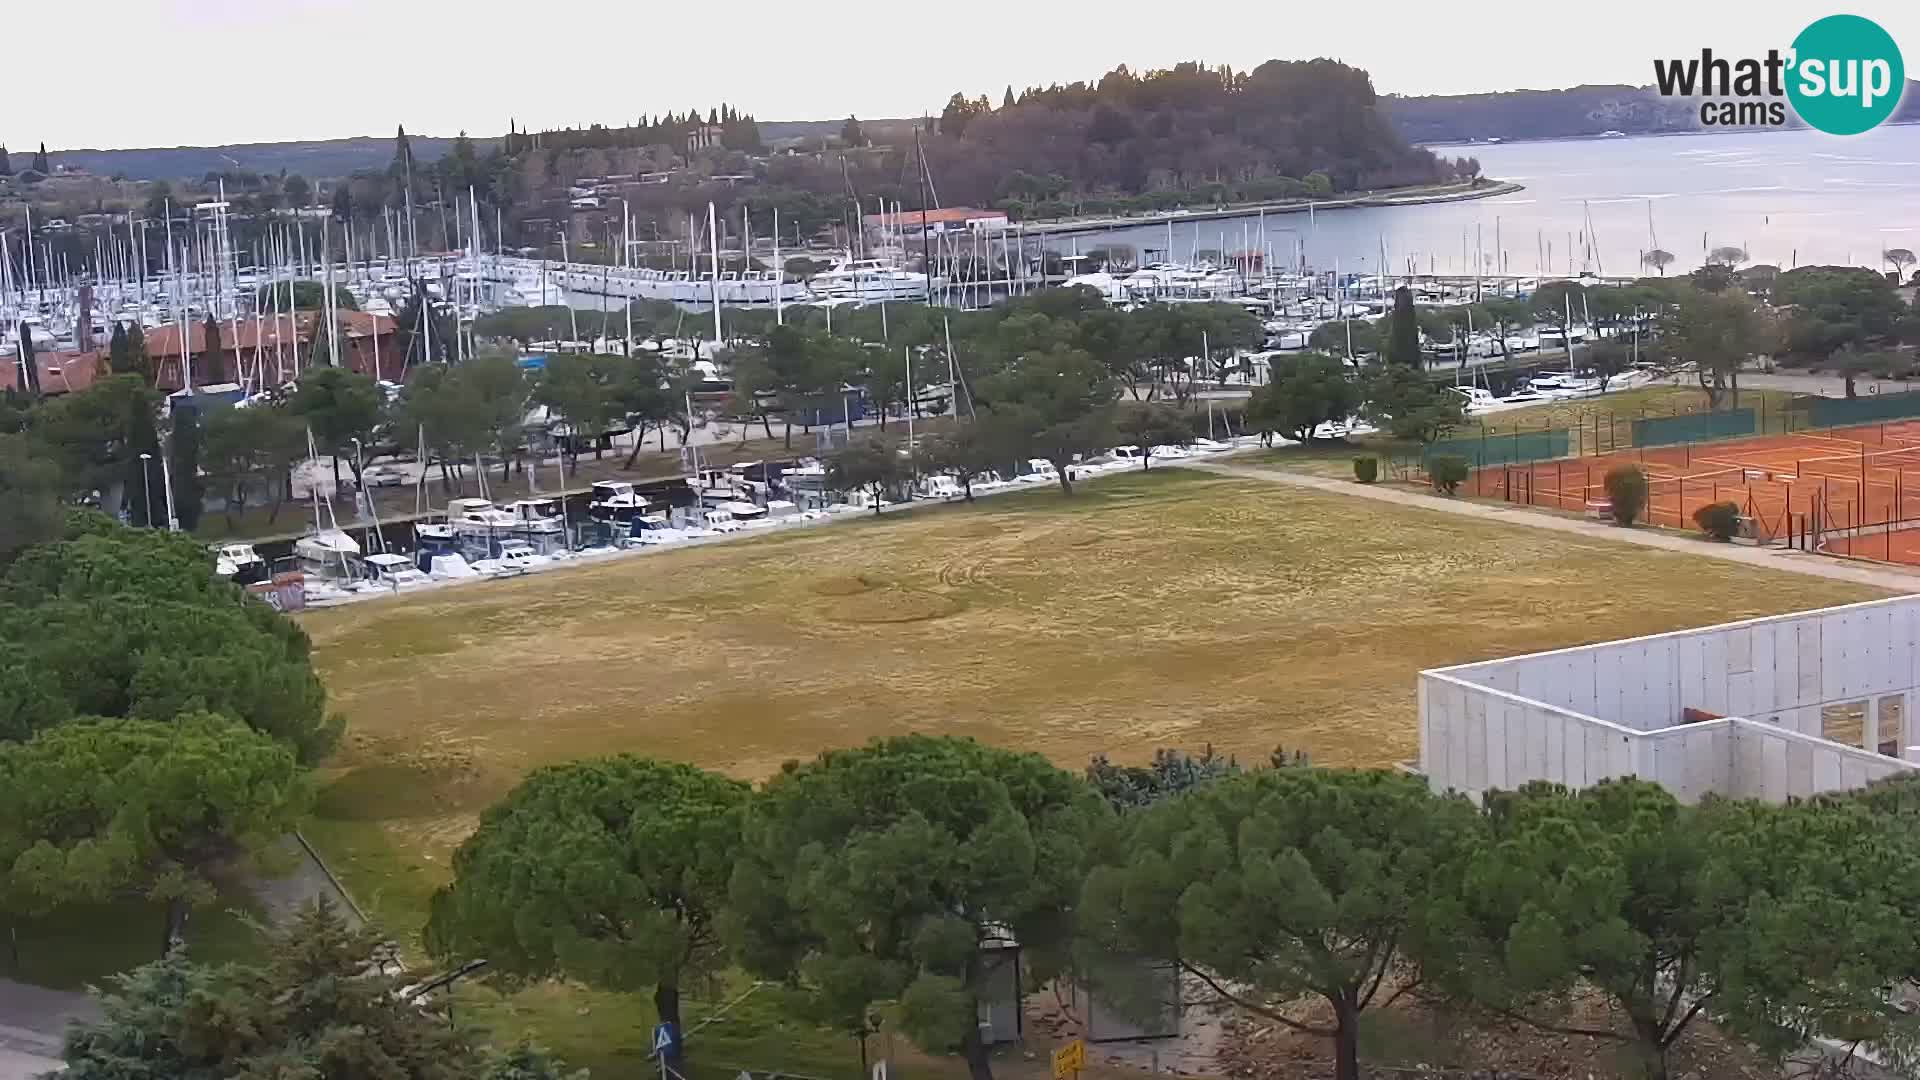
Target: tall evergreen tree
x=6, y=167
x=213, y=354
x=138, y=362
x=189, y=493
x=1403, y=341
x=119, y=361
x=40, y=161
x=29, y=367
x=144, y=478
x=1006, y=101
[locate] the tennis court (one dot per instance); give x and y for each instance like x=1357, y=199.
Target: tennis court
x=1852, y=491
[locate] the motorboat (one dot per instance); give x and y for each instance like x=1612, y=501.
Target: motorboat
x=390, y=571
x=479, y=518
x=1477, y=399
x=870, y=280
x=539, y=523
x=1040, y=471
x=746, y=513
x=941, y=486
x=330, y=561
x=653, y=529
x=516, y=557
x=720, y=520
x=615, y=500
x=239, y=563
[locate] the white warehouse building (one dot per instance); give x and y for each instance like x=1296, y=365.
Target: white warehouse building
x=1772, y=708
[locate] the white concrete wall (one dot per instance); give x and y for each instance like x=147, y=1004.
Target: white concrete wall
x=1691, y=761
x=1773, y=764
x=1781, y=670
x=1474, y=739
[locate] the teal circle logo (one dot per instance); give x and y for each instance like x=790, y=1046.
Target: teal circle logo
x=1847, y=75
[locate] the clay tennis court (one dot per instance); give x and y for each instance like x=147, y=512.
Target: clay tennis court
x=1847, y=491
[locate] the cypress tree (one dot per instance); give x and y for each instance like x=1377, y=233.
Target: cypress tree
x=138, y=361
x=6, y=168
x=119, y=360
x=144, y=478
x=1403, y=341
x=40, y=161
x=189, y=494
x=27, y=362
x=215, y=369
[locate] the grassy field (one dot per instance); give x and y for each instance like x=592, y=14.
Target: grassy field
x=1164, y=609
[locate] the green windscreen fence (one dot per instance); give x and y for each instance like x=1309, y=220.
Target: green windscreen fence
x=1846, y=412
x=1483, y=450
x=1693, y=427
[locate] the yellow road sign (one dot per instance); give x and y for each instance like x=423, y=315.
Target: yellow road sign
x=1069, y=1060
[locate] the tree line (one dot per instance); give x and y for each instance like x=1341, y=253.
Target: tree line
x=155, y=723
x=1213, y=133
x=877, y=882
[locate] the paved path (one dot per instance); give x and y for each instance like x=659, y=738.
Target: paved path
x=1896, y=579
x=32, y=1021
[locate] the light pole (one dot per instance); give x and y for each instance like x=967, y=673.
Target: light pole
x=146, y=486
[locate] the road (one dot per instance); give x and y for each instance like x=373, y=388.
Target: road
x=32, y=1022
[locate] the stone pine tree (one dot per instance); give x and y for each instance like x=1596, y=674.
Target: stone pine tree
x=1271, y=886
x=611, y=871
x=162, y=634
x=893, y=873
x=1783, y=922
x=1403, y=336
x=98, y=808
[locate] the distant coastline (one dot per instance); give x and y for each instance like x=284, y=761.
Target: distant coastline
x=1403, y=197
x=1589, y=136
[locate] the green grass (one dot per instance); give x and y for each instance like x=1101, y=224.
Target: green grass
x=81, y=945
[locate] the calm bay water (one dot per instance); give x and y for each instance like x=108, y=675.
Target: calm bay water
x=1788, y=197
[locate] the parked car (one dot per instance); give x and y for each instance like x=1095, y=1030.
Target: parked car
x=384, y=476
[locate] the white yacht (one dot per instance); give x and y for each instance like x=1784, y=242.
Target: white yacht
x=870, y=280
x=389, y=571
x=239, y=563
x=615, y=500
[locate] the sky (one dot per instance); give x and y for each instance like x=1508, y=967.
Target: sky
x=277, y=70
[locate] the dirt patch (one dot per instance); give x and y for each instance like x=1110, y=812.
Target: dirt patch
x=843, y=585
x=892, y=605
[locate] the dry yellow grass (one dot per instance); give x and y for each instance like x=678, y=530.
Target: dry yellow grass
x=1169, y=609
x=1144, y=612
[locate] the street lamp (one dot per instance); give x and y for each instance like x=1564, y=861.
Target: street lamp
x=146, y=486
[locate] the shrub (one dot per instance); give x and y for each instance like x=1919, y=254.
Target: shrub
x=1447, y=471
x=1626, y=492
x=1719, y=520
x=1366, y=469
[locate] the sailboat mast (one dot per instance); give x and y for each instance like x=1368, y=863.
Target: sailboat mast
x=713, y=246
